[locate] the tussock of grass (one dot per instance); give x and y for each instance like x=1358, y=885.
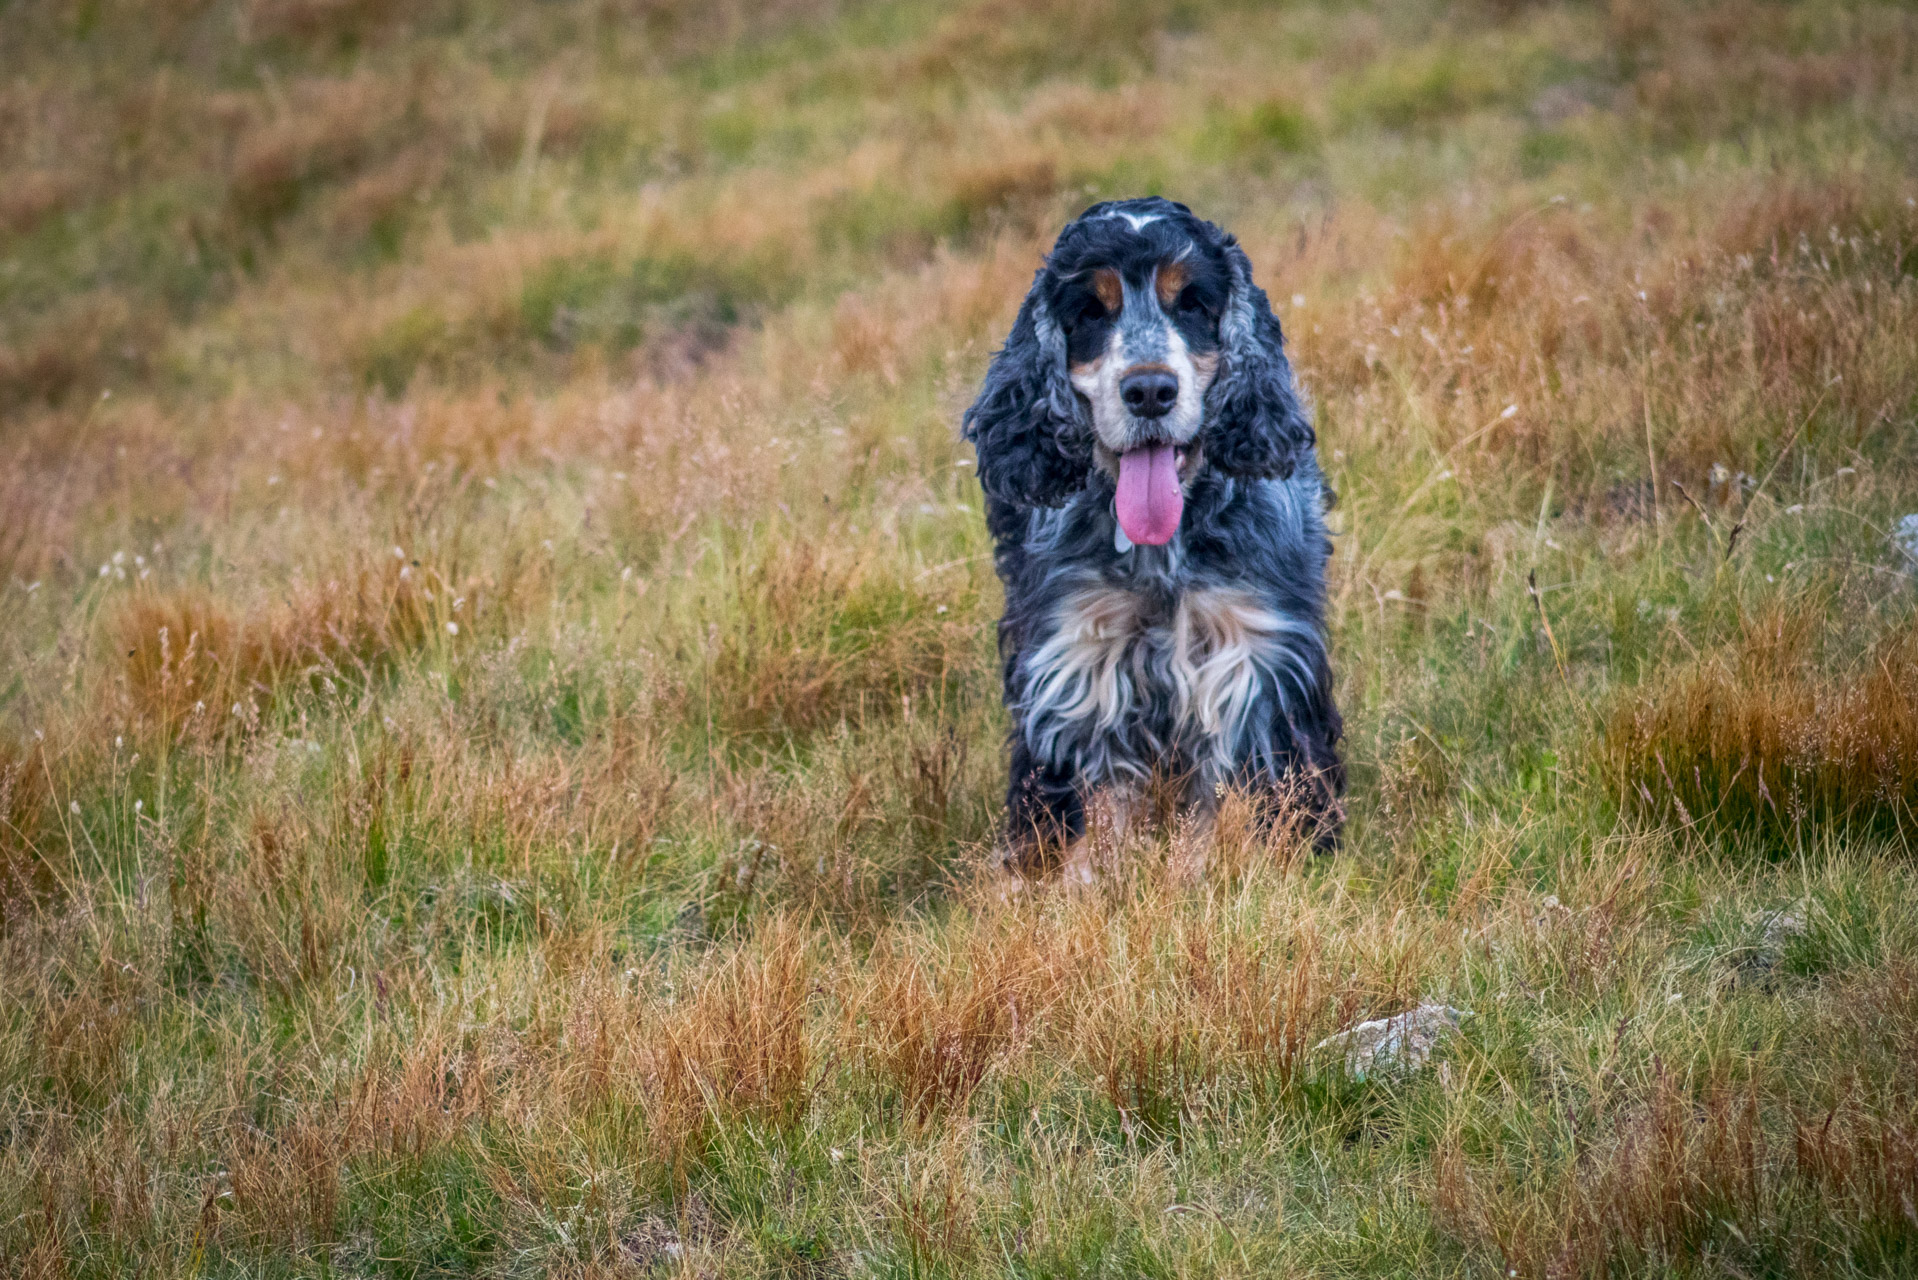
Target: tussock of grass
x=23, y=811
x=188, y=659
x=814, y=637
x=1671, y=1173
x=932, y=1026
x=740, y=1048
x=1762, y=738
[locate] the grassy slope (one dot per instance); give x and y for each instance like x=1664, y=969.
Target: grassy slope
x=497, y=725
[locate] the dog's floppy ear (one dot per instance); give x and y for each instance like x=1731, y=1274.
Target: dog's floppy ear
x=1256, y=424
x=1033, y=437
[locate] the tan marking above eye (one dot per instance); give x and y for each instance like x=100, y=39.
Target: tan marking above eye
x=1108, y=289
x=1171, y=279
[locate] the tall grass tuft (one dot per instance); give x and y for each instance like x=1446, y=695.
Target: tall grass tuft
x=815, y=635
x=1764, y=738
x=738, y=1048
x=929, y=1026
x=190, y=660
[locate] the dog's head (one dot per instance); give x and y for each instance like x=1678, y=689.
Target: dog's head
x=1144, y=351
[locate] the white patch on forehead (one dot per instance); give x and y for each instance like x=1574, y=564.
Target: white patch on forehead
x=1137, y=220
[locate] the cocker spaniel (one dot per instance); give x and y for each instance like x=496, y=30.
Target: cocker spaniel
x=1158, y=517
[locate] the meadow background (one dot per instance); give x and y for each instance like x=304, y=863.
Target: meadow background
x=499, y=738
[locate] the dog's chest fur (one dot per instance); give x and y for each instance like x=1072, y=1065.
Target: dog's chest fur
x=1129, y=681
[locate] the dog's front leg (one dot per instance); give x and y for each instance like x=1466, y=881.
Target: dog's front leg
x=1045, y=812
x=1195, y=836
x=1110, y=811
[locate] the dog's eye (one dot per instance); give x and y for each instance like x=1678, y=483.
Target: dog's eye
x=1189, y=299
x=1090, y=311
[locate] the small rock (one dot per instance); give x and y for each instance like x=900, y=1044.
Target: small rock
x=1400, y=1043
x=1904, y=536
x=1781, y=928
x=652, y=1242
x=1550, y=912
x=689, y=926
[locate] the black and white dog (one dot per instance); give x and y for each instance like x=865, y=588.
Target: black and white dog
x=1158, y=516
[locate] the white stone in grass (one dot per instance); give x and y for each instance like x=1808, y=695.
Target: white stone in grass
x=1401, y=1043
x=1781, y=927
x=1904, y=536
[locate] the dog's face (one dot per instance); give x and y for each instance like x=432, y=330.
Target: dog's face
x=1144, y=351
x=1138, y=297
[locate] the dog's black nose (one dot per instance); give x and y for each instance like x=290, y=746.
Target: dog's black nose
x=1149, y=394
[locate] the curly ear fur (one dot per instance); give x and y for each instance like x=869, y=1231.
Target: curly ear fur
x=1033, y=436
x=1256, y=423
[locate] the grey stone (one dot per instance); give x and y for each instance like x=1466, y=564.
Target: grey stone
x=1396, y=1045
x=1904, y=536
x=1775, y=934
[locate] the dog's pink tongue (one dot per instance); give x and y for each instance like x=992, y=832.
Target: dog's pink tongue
x=1150, y=501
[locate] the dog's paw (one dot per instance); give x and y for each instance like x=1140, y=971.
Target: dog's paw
x=1079, y=867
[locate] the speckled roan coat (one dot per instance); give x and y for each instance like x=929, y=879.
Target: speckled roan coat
x=1204, y=660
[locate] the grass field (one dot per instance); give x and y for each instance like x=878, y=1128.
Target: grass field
x=499, y=732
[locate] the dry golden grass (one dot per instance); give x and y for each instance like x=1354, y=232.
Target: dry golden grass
x=739, y=1048
x=1762, y=737
x=186, y=657
x=816, y=634
x=932, y=1027
x=538, y=422
x=1668, y=1173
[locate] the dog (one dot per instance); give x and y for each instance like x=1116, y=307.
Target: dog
x=1158, y=518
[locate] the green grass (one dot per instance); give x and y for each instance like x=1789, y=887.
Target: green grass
x=499, y=731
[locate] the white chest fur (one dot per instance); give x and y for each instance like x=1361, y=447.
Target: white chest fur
x=1116, y=688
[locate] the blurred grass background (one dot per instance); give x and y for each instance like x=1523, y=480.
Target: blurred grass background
x=498, y=729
